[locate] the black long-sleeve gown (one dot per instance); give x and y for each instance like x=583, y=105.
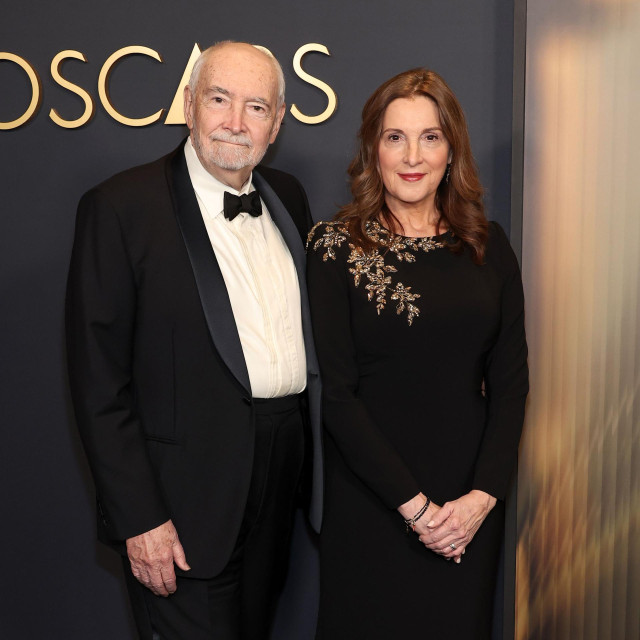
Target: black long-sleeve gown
x=424, y=366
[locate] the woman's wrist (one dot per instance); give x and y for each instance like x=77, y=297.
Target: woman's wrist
x=411, y=507
x=410, y=523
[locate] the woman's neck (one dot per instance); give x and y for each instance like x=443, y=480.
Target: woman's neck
x=417, y=222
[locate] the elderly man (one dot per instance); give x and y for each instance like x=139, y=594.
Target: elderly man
x=192, y=370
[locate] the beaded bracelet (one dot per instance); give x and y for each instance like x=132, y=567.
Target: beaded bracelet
x=411, y=522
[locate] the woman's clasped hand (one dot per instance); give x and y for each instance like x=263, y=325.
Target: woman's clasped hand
x=453, y=525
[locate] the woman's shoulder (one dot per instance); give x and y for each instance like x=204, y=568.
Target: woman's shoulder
x=499, y=249
x=497, y=233
x=327, y=237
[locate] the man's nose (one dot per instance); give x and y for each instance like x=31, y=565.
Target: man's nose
x=235, y=119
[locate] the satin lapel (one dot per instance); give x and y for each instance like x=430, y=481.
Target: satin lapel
x=211, y=287
x=291, y=236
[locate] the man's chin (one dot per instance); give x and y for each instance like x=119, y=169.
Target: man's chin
x=230, y=164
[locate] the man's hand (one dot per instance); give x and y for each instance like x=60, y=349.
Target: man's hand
x=152, y=555
x=456, y=523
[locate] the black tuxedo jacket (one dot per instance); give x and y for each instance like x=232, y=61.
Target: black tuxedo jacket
x=158, y=378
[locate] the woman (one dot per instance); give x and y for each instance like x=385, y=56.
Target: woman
x=418, y=317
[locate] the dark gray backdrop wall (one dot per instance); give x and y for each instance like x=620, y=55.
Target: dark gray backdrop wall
x=57, y=582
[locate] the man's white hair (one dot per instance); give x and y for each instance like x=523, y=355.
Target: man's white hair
x=197, y=67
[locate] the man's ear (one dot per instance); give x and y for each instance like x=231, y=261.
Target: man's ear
x=277, y=122
x=188, y=104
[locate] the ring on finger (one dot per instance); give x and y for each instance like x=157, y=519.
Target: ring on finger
x=453, y=545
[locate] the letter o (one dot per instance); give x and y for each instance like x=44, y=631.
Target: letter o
x=36, y=93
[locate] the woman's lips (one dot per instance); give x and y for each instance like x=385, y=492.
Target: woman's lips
x=411, y=177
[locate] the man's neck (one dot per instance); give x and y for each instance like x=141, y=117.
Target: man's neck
x=234, y=179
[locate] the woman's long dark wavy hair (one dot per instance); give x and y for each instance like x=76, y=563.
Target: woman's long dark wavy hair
x=459, y=201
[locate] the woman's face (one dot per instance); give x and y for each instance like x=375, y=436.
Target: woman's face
x=412, y=153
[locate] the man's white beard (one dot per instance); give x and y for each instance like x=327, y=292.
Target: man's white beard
x=231, y=157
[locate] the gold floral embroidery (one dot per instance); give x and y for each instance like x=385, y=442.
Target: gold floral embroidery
x=373, y=267
x=334, y=236
x=372, y=264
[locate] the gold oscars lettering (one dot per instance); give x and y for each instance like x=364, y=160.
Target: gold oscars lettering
x=89, y=107
x=332, y=101
x=36, y=91
x=103, y=86
x=174, y=113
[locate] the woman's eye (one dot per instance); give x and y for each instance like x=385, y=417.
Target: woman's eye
x=393, y=137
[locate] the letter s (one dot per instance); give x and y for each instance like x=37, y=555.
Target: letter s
x=89, y=107
x=323, y=86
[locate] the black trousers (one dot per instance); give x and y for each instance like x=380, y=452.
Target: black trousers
x=238, y=603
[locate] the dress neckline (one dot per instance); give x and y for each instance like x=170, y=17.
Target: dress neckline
x=435, y=238
x=379, y=227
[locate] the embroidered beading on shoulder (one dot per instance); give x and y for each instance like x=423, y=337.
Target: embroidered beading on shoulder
x=371, y=264
x=335, y=234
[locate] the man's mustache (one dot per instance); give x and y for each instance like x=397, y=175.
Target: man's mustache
x=232, y=138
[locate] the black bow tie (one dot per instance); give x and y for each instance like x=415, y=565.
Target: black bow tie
x=249, y=203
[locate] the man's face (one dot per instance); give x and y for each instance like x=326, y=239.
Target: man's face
x=232, y=113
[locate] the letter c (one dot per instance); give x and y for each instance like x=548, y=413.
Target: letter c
x=36, y=93
x=103, y=80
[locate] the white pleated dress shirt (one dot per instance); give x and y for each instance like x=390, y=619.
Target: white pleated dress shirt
x=262, y=284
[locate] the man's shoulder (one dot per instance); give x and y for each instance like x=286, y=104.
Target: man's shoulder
x=291, y=194
x=132, y=192
x=278, y=179
x=136, y=179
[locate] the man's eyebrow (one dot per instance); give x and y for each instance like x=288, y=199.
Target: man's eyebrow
x=260, y=100
x=226, y=92
x=216, y=89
